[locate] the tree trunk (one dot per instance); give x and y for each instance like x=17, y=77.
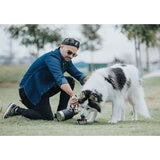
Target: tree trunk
x=147, y=60
x=159, y=58
x=11, y=55
x=138, y=56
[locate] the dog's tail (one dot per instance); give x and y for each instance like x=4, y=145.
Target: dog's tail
x=139, y=103
x=143, y=110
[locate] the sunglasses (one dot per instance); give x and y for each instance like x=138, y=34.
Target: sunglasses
x=71, y=53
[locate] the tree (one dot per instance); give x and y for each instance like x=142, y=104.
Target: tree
x=150, y=38
x=92, y=40
x=34, y=35
x=142, y=34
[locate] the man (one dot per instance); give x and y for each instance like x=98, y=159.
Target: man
x=45, y=78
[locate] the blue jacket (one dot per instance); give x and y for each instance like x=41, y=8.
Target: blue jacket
x=46, y=72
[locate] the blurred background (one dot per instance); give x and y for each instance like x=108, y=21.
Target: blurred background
x=101, y=44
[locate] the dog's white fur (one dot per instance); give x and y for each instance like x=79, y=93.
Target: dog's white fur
x=133, y=93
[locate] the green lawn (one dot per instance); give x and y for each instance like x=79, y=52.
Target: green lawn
x=23, y=126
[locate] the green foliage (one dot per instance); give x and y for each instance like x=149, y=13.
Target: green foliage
x=93, y=39
x=35, y=35
x=147, y=33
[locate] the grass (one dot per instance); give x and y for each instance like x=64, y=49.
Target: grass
x=11, y=74
x=22, y=126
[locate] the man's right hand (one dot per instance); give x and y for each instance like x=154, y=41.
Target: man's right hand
x=74, y=100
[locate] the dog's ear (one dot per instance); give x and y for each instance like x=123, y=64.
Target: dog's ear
x=95, y=105
x=84, y=96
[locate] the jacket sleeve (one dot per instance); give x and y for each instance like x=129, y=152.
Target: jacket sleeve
x=54, y=65
x=72, y=70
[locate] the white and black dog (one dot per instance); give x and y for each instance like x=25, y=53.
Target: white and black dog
x=117, y=84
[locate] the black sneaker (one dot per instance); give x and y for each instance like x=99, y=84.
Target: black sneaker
x=10, y=111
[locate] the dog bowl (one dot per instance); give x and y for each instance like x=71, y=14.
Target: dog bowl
x=81, y=121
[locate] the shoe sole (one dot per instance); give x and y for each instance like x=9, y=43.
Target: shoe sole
x=9, y=107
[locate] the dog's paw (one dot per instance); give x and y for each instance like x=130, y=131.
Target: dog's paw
x=90, y=121
x=134, y=119
x=112, y=121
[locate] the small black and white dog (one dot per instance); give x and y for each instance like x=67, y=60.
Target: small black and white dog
x=117, y=84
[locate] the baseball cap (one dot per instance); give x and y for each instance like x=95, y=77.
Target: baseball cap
x=71, y=42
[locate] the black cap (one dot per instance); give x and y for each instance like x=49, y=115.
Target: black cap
x=71, y=42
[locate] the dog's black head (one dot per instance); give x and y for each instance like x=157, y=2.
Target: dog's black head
x=94, y=98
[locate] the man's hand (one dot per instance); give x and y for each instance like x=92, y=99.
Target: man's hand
x=74, y=100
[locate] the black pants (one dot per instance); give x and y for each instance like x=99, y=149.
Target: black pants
x=43, y=109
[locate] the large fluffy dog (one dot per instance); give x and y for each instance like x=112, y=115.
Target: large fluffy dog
x=117, y=84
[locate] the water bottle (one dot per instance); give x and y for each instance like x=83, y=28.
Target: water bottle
x=66, y=114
